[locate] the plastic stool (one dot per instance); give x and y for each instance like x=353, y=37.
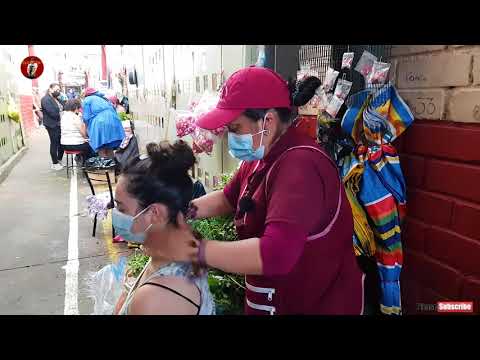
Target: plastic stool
x=70, y=154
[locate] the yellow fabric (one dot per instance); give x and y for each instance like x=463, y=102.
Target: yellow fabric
x=360, y=223
x=393, y=310
x=390, y=233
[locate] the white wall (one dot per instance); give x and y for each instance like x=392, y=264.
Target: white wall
x=157, y=66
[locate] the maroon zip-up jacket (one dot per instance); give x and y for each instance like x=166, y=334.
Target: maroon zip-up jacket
x=304, y=221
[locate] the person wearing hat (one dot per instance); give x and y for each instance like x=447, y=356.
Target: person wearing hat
x=291, y=212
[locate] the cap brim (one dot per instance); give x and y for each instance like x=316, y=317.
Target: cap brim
x=218, y=118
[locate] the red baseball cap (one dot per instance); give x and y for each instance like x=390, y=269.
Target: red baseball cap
x=249, y=88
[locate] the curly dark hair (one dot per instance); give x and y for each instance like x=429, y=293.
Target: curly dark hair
x=162, y=177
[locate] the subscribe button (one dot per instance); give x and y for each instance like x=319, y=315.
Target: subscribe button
x=455, y=307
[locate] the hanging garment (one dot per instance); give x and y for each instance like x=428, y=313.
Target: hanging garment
x=351, y=171
x=375, y=118
x=382, y=210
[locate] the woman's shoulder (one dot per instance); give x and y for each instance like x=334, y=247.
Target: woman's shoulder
x=157, y=298
x=71, y=116
x=308, y=156
x=66, y=115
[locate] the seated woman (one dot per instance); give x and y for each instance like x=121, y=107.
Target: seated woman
x=104, y=126
x=73, y=131
x=154, y=191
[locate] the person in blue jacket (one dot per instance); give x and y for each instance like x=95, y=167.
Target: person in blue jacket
x=105, y=129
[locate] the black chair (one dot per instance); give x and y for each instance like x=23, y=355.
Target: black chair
x=102, y=178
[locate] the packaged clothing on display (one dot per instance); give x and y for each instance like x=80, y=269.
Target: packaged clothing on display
x=365, y=64
x=343, y=89
x=334, y=106
x=379, y=73
x=347, y=60
x=330, y=78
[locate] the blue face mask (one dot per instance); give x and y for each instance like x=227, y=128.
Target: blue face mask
x=241, y=146
x=123, y=226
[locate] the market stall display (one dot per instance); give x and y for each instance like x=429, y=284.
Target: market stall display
x=357, y=130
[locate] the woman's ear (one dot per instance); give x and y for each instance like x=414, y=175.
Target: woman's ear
x=269, y=122
x=159, y=214
x=269, y=116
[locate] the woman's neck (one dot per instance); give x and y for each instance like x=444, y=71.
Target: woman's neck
x=157, y=261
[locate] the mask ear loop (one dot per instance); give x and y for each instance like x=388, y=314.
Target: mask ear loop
x=262, y=131
x=140, y=213
x=263, y=128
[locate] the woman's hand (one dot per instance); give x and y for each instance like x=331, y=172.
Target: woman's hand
x=210, y=205
x=176, y=243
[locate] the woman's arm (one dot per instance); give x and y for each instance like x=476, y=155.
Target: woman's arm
x=213, y=204
x=237, y=257
x=87, y=112
x=221, y=202
x=275, y=253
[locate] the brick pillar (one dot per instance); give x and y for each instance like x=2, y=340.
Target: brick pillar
x=441, y=162
x=26, y=110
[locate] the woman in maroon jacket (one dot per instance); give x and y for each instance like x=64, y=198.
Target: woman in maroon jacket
x=291, y=212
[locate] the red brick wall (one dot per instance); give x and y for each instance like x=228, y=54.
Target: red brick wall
x=26, y=109
x=441, y=239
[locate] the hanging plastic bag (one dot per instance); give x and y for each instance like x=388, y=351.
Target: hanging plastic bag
x=365, y=64
x=379, y=73
x=207, y=102
x=330, y=78
x=343, y=89
x=106, y=286
x=192, y=105
x=203, y=141
x=303, y=72
x=334, y=106
x=186, y=122
x=323, y=100
x=347, y=60
x=98, y=162
x=220, y=131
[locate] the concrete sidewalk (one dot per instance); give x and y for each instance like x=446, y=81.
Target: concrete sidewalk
x=34, y=223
